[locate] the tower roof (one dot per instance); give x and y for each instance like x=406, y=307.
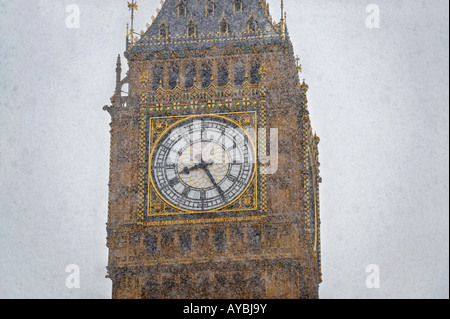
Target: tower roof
x=201, y=24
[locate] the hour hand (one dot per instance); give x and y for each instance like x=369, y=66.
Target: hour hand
x=185, y=171
x=202, y=165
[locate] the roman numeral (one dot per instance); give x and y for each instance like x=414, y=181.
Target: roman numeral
x=174, y=182
x=185, y=192
x=167, y=166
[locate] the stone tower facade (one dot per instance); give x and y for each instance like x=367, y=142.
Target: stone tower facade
x=207, y=65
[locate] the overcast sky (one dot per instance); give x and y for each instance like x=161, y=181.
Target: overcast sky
x=378, y=99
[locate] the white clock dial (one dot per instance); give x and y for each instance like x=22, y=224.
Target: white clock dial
x=203, y=163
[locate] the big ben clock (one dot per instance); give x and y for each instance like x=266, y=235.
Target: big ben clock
x=202, y=163
x=200, y=168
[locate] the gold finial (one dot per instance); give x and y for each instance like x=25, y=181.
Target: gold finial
x=282, y=20
x=304, y=86
x=131, y=7
x=297, y=64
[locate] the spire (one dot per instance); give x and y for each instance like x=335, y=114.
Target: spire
x=118, y=73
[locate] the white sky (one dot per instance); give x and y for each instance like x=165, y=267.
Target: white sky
x=378, y=100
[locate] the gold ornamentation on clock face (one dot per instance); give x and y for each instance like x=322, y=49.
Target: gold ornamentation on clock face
x=203, y=163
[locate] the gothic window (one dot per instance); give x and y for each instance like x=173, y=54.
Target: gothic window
x=252, y=24
x=219, y=240
x=239, y=73
x=206, y=75
x=191, y=29
x=255, y=76
x=191, y=73
x=163, y=31
x=255, y=238
x=174, y=76
x=224, y=26
x=223, y=75
x=238, y=6
x=151, y=243
x=185, y=241
x=158, y=77
x=210, y=6
x=182, y=8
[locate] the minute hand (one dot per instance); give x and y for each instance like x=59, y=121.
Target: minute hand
x=221, y=193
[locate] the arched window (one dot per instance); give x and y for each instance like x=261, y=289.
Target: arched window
x=255, y=76
x=182, y=9
x=238, y=5
x=174, y=76
x=210, y=7
x=206, y=75
x=252, y=24
x=158, y=77
x=163, y=31
x=185, y=241
x=239, y=73
x=151, y=243
x=255, y=238
x=219, y=240
x=224, y=26
x=223, y=75
x=191, y=29
x=191, y=73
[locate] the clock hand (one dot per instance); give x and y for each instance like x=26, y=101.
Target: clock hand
x=187, y=171
x=221, y=193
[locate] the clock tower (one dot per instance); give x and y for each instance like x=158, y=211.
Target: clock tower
x=214, y=170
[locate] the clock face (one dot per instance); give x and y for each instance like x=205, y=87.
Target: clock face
x=203, y=163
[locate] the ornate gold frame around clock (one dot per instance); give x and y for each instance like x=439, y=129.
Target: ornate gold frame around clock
x=155, y=210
